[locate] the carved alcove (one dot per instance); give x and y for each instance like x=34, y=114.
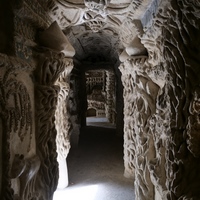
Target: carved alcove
x=95, y=88
x=101, y=94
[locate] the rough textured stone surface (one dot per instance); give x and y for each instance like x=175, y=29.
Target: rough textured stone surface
x=63, y=124
x=155, y=44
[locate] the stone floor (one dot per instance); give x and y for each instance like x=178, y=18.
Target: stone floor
x=99, y=122
x=96, y=168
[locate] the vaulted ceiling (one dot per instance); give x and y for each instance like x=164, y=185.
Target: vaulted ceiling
x=103, y=30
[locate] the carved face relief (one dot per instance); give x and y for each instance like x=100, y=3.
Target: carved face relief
x=97, y=6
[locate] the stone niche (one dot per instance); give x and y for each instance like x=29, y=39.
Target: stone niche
x=96, y=94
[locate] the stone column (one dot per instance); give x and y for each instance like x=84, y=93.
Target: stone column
x=20, y=163
x=52, y=118
x=63, y=124
x=51, y=92
x=142, y=155
x=110, y=84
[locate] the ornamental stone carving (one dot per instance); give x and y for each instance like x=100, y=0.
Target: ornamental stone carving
x=16, y=115
x=63, y=124
x=51, y=98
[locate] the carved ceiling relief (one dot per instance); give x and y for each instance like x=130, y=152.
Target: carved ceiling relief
x=103, y=17
x=96, y=14
x=87, y=10
x=20, y=162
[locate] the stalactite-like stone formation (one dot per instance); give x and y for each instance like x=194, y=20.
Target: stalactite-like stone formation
x=93, y=13
x=16, y=112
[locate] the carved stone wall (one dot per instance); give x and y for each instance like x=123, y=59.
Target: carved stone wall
x=20, y=162
x=181, y=52
x=161, y=103
x=30, y=144
x=144, y=157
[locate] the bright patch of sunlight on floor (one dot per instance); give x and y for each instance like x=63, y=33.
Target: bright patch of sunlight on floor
x=76, y=193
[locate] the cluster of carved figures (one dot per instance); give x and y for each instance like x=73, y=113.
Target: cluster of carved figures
x=161, y=91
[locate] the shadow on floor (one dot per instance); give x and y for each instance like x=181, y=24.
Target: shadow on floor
x=96, y=167
x=99, y=122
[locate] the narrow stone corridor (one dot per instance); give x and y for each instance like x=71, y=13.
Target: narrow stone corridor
x=96, y=168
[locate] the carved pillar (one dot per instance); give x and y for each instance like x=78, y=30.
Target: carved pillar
x=143, y=150
x=50, y=68
x=110, y=93
x=63, y=124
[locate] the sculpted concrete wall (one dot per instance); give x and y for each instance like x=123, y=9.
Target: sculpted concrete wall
x=143, y=143
x=161, y=105
x=31, y=86
x=20, y=161
x=182, y=60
